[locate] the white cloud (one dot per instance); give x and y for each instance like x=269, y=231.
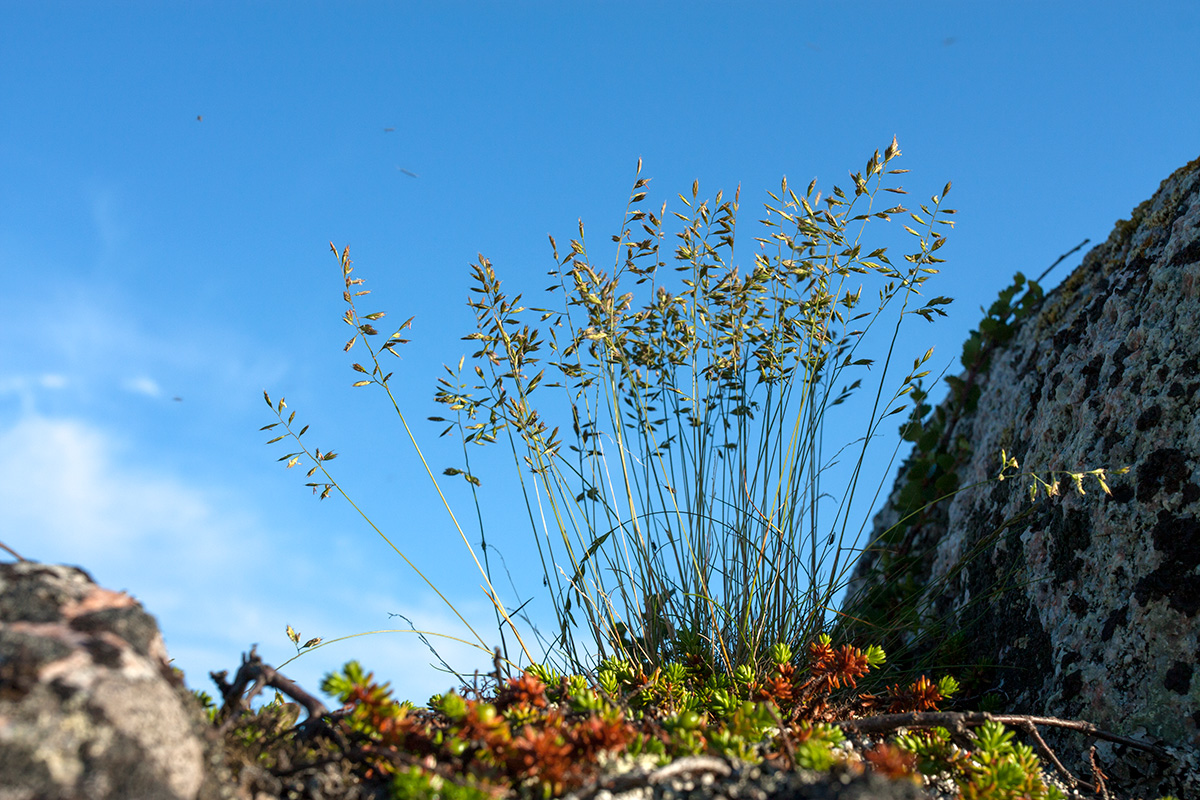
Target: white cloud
x=142, y=385
x=60, y=486
x=217, y=577
x=220, y=564
x=24, y=387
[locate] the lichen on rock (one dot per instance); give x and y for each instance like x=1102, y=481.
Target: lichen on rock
x=89, y=706
x=1080, y=606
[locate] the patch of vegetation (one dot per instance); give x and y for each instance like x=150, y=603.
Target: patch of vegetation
x=543, y=734
x=681, y=524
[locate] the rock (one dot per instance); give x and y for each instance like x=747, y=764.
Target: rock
x=89, y=707
x=710, y=778
x=1080, y=606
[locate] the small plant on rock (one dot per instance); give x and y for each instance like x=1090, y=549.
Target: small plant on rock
x=995, y=768
x=681, y=524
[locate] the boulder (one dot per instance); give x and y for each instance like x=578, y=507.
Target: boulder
x=89, y=707
x=1081, y=606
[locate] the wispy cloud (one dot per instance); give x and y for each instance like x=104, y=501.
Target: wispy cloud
x=204, y=563
x=100, y=346
x=24, y=387
x=64, y=491
x=92, y=475
x=142, y=385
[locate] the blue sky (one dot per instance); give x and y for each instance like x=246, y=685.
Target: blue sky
x=172, y=174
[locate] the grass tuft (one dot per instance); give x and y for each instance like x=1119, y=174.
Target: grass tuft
x=666, y=418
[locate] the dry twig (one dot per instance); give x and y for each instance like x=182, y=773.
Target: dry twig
x=256, y=675
x=14, y=553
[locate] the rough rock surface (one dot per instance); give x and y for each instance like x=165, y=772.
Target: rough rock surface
x=89, y=707
x=1088, y=607
x=709, y=778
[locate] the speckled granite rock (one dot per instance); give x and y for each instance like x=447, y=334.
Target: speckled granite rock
x=89, y=707
x=1088, y=607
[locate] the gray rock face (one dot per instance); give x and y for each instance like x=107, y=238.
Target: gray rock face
x=89, y=708
x=1087, y=606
